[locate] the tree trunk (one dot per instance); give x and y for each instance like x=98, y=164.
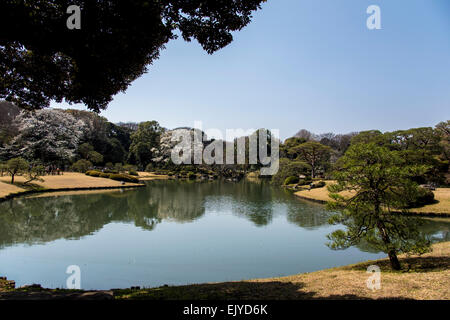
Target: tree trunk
x=12, y=178
x=395, y=264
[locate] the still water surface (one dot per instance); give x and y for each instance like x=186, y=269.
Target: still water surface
x=171, y=233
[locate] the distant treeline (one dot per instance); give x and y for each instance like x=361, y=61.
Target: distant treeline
x=64, y=137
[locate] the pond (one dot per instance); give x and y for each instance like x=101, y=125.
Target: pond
x=171, y=233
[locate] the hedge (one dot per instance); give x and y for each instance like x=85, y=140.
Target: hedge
x=93, y=173
x=113, y=176
x=123, y=177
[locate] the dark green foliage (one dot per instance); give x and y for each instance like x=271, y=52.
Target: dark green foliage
x=42, y=60
x=93, y=173
x=110, y=171
x=16, y=166
x=319, y=184
x=146, y=137
x=113, y=176
x=8, y=130
x=191, y=175
x=288, y=148
x=291, y=180
x=133, y=173
x=109, y=166
x=109, y=140
x=118, y=167
x=129, y=168
x=290, y=168
x=369, y=136
x=124, y=178
x=315, y=154
x=81, y=165
x=378, y=180
x=417, y=146
x=419, y=198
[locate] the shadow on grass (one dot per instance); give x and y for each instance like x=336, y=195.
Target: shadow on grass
x=273, y=290
x=410, y=264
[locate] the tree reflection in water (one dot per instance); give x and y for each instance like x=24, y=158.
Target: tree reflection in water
x=47, y=218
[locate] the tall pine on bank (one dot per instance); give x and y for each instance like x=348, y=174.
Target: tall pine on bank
x=373, y=184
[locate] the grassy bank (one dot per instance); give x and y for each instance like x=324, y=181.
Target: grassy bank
x=70, y=181
x=425, y=277
x=440, y=208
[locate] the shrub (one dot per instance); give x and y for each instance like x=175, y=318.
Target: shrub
x=109, y=166
x=110, y=171
x=133, y=173
x=191, y=175
x=320, y=184
x=93, y=173
x=124, y=178
x=290, y=180
x=81, y=165
x=129, y=167
x=289, y=168
x=118, y=167
x=420, y=198
x=105, y=175
x=149, y=168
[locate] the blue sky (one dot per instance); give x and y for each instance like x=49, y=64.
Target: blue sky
x=309, y=64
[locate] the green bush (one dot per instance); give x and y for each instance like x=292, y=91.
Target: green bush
x=149, y=168
x=319, y=184
x=420, y=198
x=118, y=167
x=133, y=173
x=113, y=176
x=290, y=168
x=81, y=166
x=290, y=180
x=124, y=178
x=110, y=171
x=191, y=175
x=129, y=167
x=93, y=173
x=109, y=166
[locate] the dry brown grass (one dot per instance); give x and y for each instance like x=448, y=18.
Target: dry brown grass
x=144, y=176
x=441, y=195
x=426, y=277
x=7, y=189
x=70, y=180
x=318, y=194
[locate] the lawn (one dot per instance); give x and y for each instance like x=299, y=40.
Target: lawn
x=441, y=195
x=70, y=180
x=7, y=189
